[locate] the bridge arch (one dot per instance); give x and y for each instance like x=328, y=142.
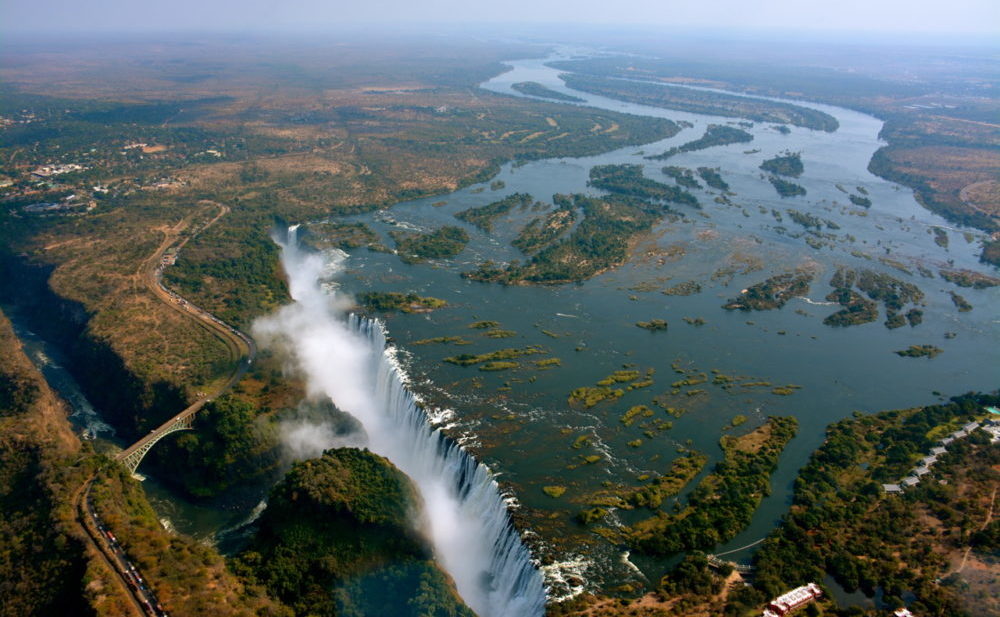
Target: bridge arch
x=132, y=456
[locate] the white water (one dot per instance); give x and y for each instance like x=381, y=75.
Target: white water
x=345, y=358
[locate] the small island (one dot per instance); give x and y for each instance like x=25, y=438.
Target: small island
x=724, y=501
x=919, y=351
x=893, y=293
x=533, y=88
x=629, y=180
x=715, y=135
x=344, y=236
x=968, y=278
x=484, y=216
x=786, y=188
x=787, y=164
x=960, y=303
x=467, y=359
x=712, y=178
x=441, y=243
x=385, y=302
x=858, y=200
x=653, y=325
x=600, y=242
x=682, y=176
x=687, y=288
x=773, y=293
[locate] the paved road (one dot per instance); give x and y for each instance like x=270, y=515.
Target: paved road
x=242, y=350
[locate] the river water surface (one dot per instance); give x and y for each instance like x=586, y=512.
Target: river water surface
x=519, y=421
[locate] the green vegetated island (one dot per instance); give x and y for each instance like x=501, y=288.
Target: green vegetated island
x=713, y=178
x=715, y=135
x=337, y=235
x=772, y=293
x=601, y=240
x=701, y=101
x=858, y=291
x=338, y=538
x=389, y=301
x=786, y=188
x=629, y=180
x=533, y=88
x=442, y=243
x=682, y=176
x=893, y=293
x=788, y=164
x=718, y=508
x=725, y=500
x=483, y=217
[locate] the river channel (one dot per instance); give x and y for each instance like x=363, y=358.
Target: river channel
x=519, y=421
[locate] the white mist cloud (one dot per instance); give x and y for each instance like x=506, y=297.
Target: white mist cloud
x=305, y=439
x=465, y=516
x=334, y=360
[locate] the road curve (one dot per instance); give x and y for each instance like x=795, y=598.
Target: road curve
x=242, y=349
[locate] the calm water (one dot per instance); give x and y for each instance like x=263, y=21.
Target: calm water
x=519, y=421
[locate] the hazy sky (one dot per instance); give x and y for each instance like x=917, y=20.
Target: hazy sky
x=944, y=16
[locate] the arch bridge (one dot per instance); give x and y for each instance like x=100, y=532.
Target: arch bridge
x=184, y=421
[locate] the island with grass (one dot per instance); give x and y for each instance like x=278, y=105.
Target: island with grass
x=533, y=88
x=715, y=135
x=442, y=243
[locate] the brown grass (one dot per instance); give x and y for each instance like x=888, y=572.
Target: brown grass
x=984, y=196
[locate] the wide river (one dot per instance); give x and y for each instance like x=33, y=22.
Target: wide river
x=519, y=421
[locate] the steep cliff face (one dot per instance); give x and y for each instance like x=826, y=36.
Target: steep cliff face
x=233, y=453
x=42, y=559
x=130, y=404
x=338, y=538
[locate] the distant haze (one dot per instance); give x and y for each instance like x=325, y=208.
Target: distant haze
x=23, y=17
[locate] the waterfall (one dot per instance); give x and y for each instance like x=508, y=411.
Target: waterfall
x=346, y=358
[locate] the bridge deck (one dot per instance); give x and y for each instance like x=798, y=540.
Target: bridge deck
x=161, y=430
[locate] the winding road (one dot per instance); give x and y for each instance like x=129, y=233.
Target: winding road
x=242, y=351
x=241, y=347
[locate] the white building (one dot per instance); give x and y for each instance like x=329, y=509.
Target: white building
x=800, y=596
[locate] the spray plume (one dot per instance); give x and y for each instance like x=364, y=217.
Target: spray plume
x=345, y=358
